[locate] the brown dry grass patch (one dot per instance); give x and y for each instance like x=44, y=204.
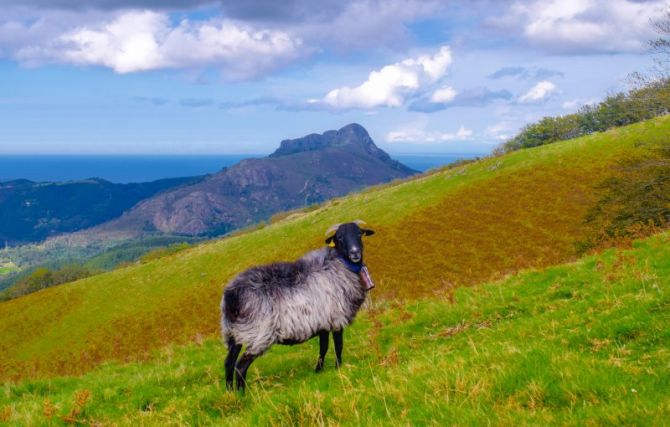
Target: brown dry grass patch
x=485, y=231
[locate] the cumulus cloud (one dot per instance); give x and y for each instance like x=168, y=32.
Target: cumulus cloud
x=443, y=95
x=581, y=26
x=145, y=40
x=391, y=85
x=328, y=24
x=538, y=93
x=363, y=24
x=421, y=136
x=476, y=97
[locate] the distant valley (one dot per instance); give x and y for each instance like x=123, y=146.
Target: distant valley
x=33, y=211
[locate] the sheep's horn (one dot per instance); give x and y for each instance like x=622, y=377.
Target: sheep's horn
x=332, y=230
x=360, y=222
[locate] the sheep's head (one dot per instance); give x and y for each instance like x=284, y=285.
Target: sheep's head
x=348, y=239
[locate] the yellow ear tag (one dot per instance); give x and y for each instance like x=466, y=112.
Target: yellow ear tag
x=331, y=244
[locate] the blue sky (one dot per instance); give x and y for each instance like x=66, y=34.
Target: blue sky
x=156, y=77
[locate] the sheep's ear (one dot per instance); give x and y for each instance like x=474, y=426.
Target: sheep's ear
x=330, y=239
x=332, y=230
x=367, y=231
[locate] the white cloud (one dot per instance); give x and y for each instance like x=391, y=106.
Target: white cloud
x=421, y=136
x=574, y=104
x=580, y=26
x=362, y=24
x=501, y=131
x=444, y=95
x=144, y=40
x=538, y=93
x=391, y=85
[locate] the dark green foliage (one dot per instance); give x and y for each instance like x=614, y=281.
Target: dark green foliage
x=635, y=201
x=42, y=278
x=616, y=110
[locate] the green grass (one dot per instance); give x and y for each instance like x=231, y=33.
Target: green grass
x=469, y=225
x=582, y=343
x=6, y=269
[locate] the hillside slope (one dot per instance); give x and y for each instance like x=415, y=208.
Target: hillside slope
x=453, y=228
x=579, y=344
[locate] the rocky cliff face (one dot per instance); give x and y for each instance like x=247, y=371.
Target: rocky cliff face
x=300, y=172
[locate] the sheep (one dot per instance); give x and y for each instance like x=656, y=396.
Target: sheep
x=290, y=302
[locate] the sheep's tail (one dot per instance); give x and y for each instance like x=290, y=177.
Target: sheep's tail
x=230, y=306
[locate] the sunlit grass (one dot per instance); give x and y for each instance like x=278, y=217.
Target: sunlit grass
x=437, y=232
x=584, y=343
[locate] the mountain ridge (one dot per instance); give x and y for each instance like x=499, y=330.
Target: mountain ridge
x=302, y=171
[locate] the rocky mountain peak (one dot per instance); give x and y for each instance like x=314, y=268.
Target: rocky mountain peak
x=350, y=135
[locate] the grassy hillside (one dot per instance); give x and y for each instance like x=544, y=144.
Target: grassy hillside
x=583, y=343
x=449, y=229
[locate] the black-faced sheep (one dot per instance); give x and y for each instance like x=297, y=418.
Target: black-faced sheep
x=291, y=302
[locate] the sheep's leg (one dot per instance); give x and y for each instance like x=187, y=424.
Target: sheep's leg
x=323, y=349
x=233, y=352
x=242, y=367
x=337, y=338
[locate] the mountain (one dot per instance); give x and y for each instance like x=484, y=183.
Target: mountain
x=300, y=172
x=456, y=227
x=579, y=341
x=32, y=211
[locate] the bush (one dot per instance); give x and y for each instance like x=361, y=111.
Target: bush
x=635, y=202
x=616, y=110
x=42, y=278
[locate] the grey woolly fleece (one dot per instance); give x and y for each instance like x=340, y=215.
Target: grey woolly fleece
x=290, y=302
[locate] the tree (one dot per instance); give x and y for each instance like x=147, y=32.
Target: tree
x=660, y=47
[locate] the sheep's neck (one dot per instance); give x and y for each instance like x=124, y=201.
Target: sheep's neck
x=362, y=271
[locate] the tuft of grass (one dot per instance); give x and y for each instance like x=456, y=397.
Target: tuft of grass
x=582, y=343
x=435, y=233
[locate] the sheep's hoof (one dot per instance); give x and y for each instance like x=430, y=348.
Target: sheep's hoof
x=338, y=363
x=319, y=366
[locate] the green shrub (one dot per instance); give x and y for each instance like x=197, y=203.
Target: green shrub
x=616, y=110
x=635, y=201
x=42, y=278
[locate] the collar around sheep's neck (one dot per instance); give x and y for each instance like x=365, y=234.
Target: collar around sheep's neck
x=353, y=267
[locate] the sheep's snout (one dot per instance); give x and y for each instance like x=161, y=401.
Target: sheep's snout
x=355, y=254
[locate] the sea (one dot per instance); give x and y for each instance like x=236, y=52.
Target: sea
x=144, y=168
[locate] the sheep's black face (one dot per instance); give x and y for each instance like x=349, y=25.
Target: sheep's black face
x=348, y=241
